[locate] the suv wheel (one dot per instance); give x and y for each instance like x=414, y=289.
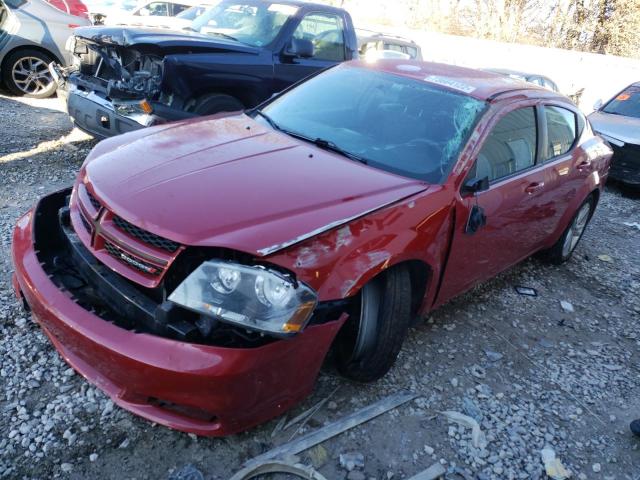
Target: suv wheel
x=369, y=343
x=26, y=73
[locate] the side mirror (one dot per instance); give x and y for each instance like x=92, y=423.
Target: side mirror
x=144, y=12
x=476, y=185
x=598, y=104
x=300, y=48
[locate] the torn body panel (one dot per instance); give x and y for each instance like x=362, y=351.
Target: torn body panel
x=339, y=262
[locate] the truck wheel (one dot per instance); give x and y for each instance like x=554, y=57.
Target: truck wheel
x=210, y=104
x=25, y=72
x=369, y=343
x=564, y=247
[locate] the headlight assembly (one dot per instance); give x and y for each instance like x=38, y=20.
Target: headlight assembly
x=252, y=297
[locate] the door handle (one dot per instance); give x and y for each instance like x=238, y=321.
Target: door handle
x=534, y=187
x=586, y=165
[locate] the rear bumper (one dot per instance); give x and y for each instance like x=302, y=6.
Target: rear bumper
x=202, y=389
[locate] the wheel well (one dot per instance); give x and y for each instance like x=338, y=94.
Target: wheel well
x=30, y=47
x=237, y=94
x=420, y=274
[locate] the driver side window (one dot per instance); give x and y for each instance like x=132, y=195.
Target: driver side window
x=326, y=32
x=510, y=147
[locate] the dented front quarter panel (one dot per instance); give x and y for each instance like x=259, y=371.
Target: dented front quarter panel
x=338, y=263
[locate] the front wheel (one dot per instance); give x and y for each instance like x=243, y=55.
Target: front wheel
x=369, y=343
x=26, y=73
x=565, y=246
x=210, y=104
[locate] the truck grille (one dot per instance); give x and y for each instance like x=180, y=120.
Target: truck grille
x=146, y=237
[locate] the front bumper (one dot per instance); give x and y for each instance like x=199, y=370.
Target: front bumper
x=95, y=115
x=625, y=164
x=202, y=389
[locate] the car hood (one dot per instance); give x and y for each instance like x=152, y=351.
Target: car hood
x=232, y=182
x=618, y=127
x=162, y=38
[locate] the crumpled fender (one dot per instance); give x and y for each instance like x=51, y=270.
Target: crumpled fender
x=338, y=263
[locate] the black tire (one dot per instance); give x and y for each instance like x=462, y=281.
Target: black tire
x=365, y=350
x=36, y=82
x=214, y=103
x=561, y=252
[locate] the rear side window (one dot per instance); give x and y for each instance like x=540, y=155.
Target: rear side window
x=561, y=131
x=510, y=147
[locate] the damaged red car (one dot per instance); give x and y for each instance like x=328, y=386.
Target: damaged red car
x=199, y=272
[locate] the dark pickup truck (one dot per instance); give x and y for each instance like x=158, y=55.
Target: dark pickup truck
x=235, y=55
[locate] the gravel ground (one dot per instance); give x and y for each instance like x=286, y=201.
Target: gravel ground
x=531, y=372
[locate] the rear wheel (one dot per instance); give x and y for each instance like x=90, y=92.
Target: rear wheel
x=26, y=73
x=210, y=104
x=564, y=247
x=369, y=343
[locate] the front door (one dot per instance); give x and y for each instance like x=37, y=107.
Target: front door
x=518, y=206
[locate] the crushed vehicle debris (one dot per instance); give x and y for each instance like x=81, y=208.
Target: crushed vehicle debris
x=204, y=294
x=618, y=122
x=233, y=56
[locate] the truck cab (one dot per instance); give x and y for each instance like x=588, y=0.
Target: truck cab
x=233, y=56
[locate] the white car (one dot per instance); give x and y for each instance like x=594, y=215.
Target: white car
x=33, y=34
x=154, y=13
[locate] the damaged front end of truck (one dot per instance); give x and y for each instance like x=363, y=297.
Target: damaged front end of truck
x=118, y=79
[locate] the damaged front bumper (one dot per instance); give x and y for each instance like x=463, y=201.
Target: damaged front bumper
x=92, y=111
x=203, y=389
x=96, y=115
x=625, y=164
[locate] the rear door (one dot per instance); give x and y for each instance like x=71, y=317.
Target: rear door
x=568, y=166
x=327, y=33
x=519, y=208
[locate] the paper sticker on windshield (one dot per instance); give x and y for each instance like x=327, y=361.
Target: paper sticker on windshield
x=623, y=96
x=448, y=82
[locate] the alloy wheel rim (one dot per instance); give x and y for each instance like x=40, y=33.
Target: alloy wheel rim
x=31, y=75
x=576, y=230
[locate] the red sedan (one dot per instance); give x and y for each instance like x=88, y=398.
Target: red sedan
x=199, y=272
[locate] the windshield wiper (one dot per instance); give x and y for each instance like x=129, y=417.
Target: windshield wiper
x=269, y=120
x=318, y=142
x=329, y=145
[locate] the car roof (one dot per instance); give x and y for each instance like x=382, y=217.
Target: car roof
x=306, y=5
x=479, y=84
x=371, y=35
x=518, y=73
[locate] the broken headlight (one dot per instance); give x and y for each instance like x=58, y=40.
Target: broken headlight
x=253, y=297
